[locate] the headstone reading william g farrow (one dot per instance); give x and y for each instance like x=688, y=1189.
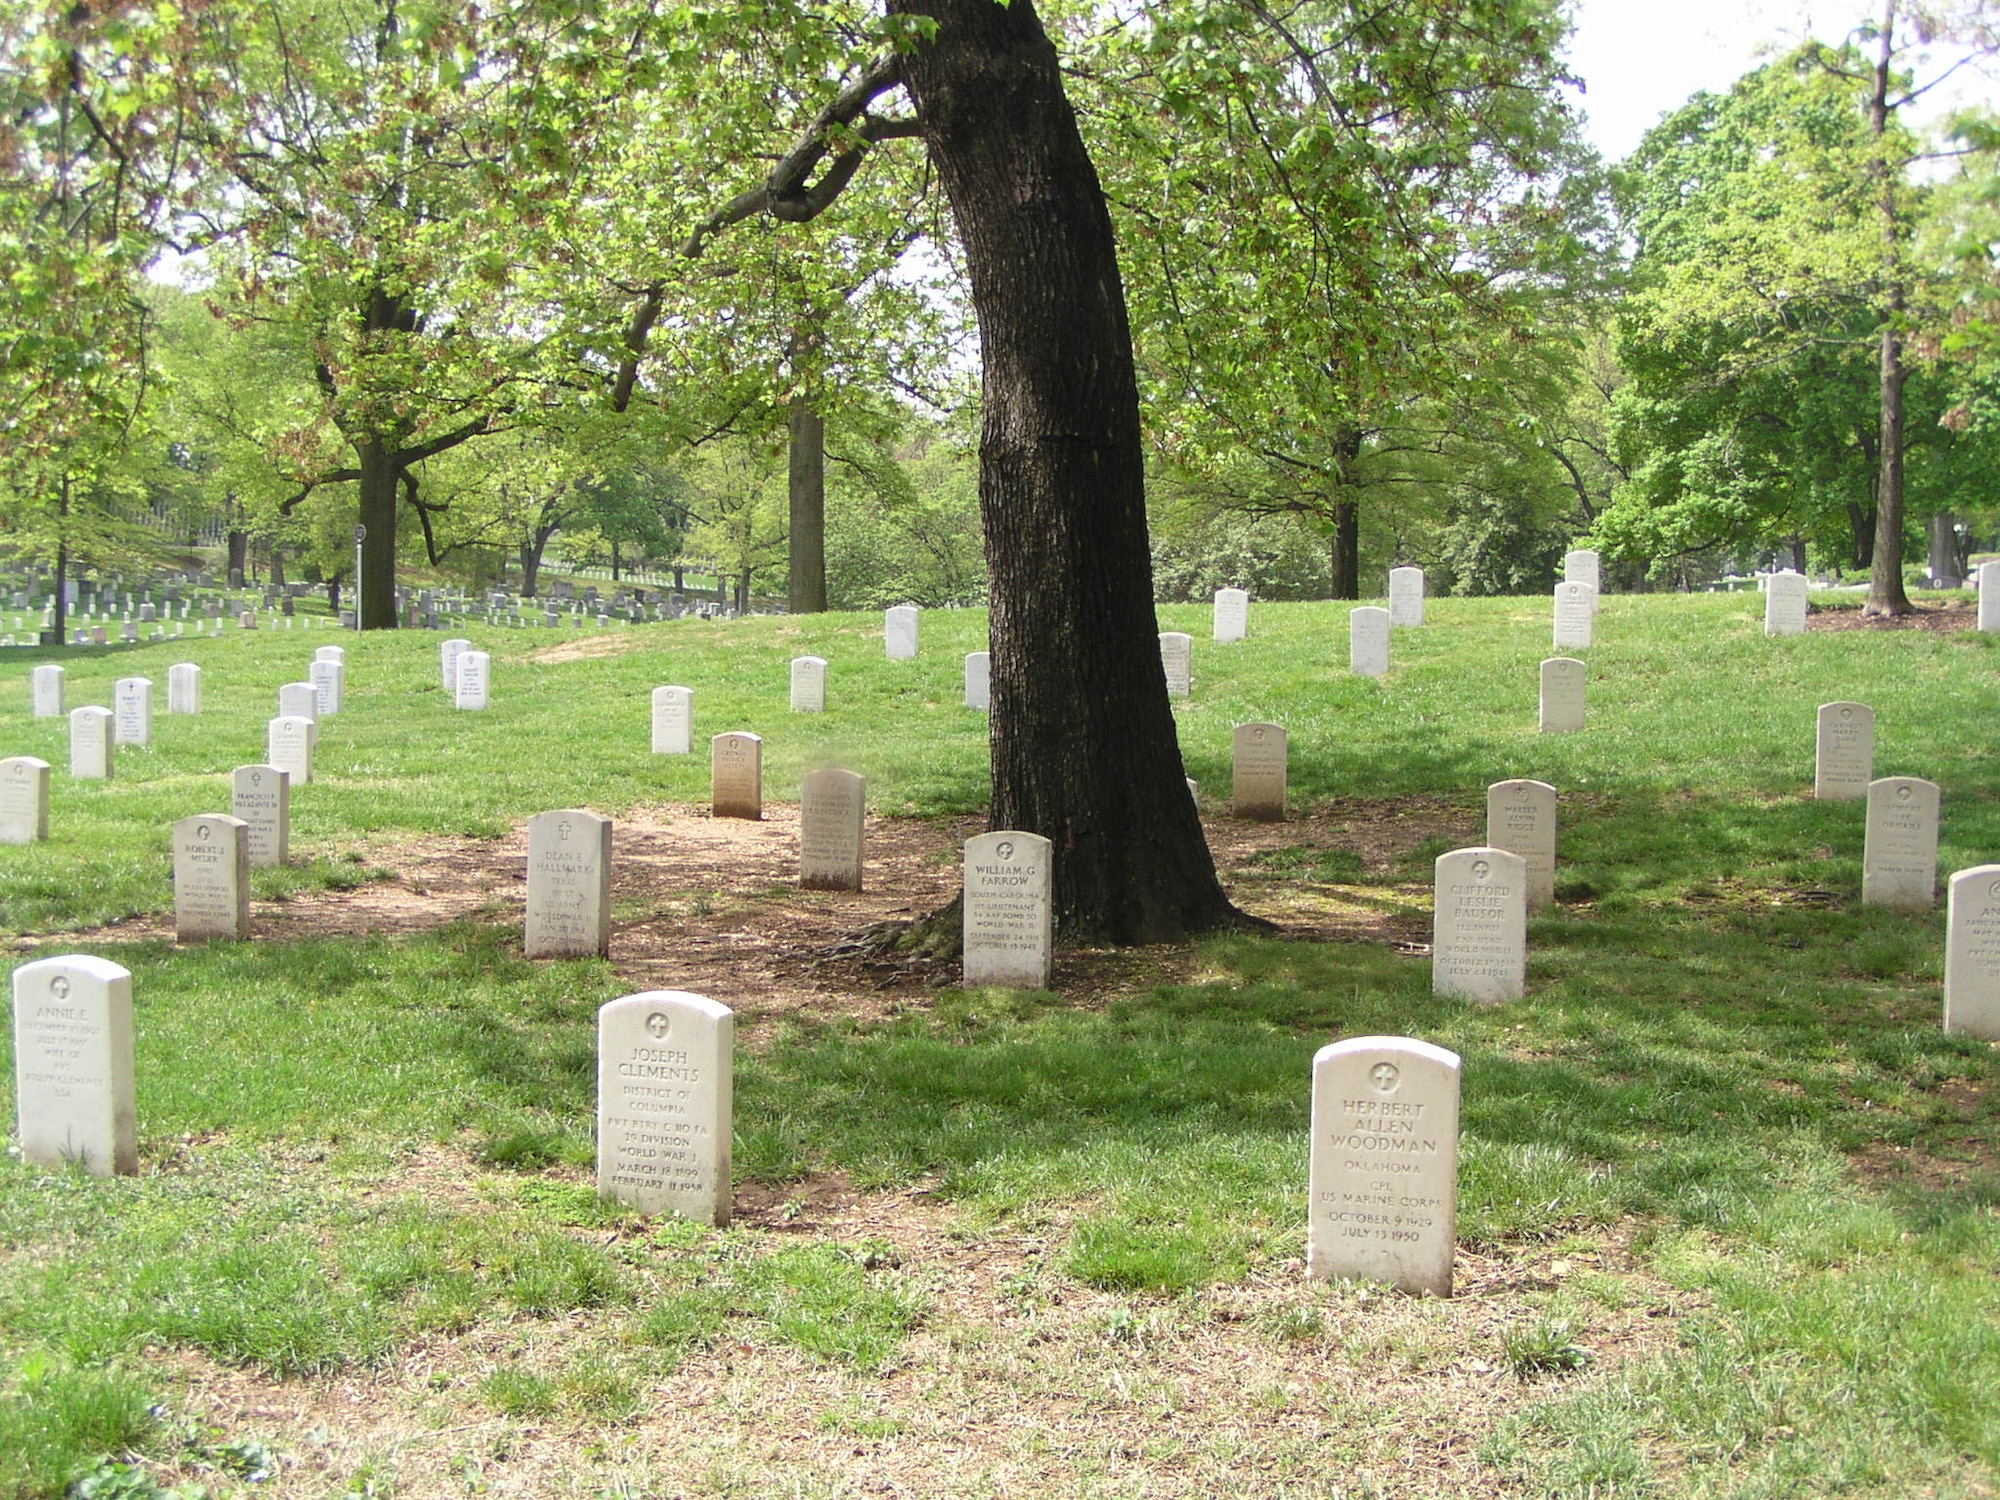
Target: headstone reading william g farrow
x=1177, y=661
x=979, y=680
x=1383, y=1172
x=899, y=632
x=1899, y=849
x=73, y=1092
x=664, y=1083
x=673, y=721
x=1232, y=615
x=569, y=885
x=736, y=775
x=1008, y=911
x=1257, y=765
x=211, y=878
x=90, y=742
x=808, y=684
x=262, y=797
x=1785, y=604
x=1562, y=695
x=1406, y=596
x=1368, y=641
x=1521, y=818
x=184, y=688
x=1844, y=752
x=1479, y=927
x=1972, y=954
x=1576, y=615
x=24, y=800
x=832, y=813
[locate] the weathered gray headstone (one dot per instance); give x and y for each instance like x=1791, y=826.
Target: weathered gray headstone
x=329, y=681
x=1785, y=604
x=1844, y=758
x=833, y=808
x=46, y=690
x=1177, y=660
x=1406, y=596
x=1383, y=1172
x=298, y=700
x=808, y=684
x=1972, y=954
x=90, y=742
x=1009, y=914
x=1479, y=927
x=261, y=796
x=211, y=878
x=899, y=632
x=1258, y=767
x=664, y=1085
x=1368, y=641
x=474, y=678
x=132, y=711
x=1899, y=852
x=736, y=775
x=569, y=885
x=979, y=680
x=673, y=721
x=73, y=1087
x=184, y=688
x=1576, y=615
x=1563, y=679
x=1987, y=581
x=1232, y=614
x=448, y=654
x=288, y=744
x=24, y=800
x=1521, y=818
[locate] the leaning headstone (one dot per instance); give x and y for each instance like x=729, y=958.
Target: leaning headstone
x=261, y=796
x=474, y=675
x=1576, y=612
x=1899, y=850
x=1232, y=614
x=1785, y=604
x=899, y=632
x=1844, y=752
x=1479, y=925
x=24, y=800
x=448, y=654
x=673, y=721
x=46, y=689
x=73, y=1089
x=132, y=711
x=808, y=684
x=184, y=688
x=664, y=1127
x=1563, y=679
x=1583, y=566
x=298, y=700
x=832, y=814
x=1406, y=596
x=90, y=742
x=979, y=680
x=1521, y=818
x=1008, y=910
x=1368, y=641
x=1177, y=660
x=1383, y=1169
x=1987, y=581
x=288, y=744
x=329, y=680
x=1972, y=954
x=1258, y=767
x=569, y=885
x=736, y=775
x=211, y=878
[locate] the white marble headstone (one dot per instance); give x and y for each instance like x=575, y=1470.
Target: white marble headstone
x=1177, y=660
x=1258, y=772
x=979, y=680
x=808, y=684
x=132, y=711
x=673, y=721
x=1582, y=566
x=45, y=686
x=329, y=679
x=90, y=743
x=1785, y=604
x=24, y=800
x=1576, y=615
x=1009, y=910
x=448, y=654
x=184, y=688
x=1232, y=614
x=736, y=775
x=1383, y=1170
x=288, y=742
x=73, y=1083
x=474, y=679
x=1899, y=851
x=664, y=1093
x=1972, y=954
x=899, y=632
x=569, y=885
x=832, y=813
x=262, y=797
x=1406, y=596
x=1986, y=578
x=331, y=653
x=1563, y=679
x=211, y=878
x=1479, y=928
x=1844, y=758
x=1368, y=641
x=298, y=700
x=1521, y=818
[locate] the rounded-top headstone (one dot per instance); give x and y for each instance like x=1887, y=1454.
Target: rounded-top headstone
x=1232, y=615
x=569, y=885
x=1368, y=641
x=1521, y=818
x=1479, y=927
x=1972, y=954
x=664, y=1086
x=73, y=1083
x=24, y=800
x=1899, y=845
x=673, y=721
x=1843, y=752
x=1009, y=915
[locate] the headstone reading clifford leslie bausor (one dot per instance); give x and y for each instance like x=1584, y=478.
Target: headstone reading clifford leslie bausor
x=1521, y=818
x=673, y=721
x=1232, y=615
x=1899, y=849
x=1406, y=596
x=664, y=1061
x=1563, y=680
x=1479, y=927
x=1177, y=661
x=73, y=1085
x=1258, y=772
x=1844, y=752
x=24, y=800
x=1368, y=641
x=1972, y=954
x=1383, y=1169
x=262, y=797
x=569, y=885
x=1008, y=910
x=211, y=878
x=736, y=775
x=832, y=816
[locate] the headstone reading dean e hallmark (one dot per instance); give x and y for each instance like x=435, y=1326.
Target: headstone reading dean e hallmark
x=1008, y=909
x=73, y=1089
x=1844, y=752
x=1899, y=848
x=1479, y=925
x=664, y=1085
x=833, y=807
x=1383, y=1171
x=899, y=632
x=569, y=885
x=211, y=878
x=1972, y=954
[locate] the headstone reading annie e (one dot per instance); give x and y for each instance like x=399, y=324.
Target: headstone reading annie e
x=1576, y=614
x=261, y=796
x=1479, y=925
x=1368, y=641
x=1008, y=911
x=1383, y=1170
x=979, y=680
x=90, y=753
x=1785, y=604
x=736, y=775
x=569, y=885
x=184, y=688
x=24, y=800
x=664, y=1061
x=808, y=684
x=1844, y=752
x=1177, y=660
x=1258, y=772
x=1899, y=849
x=211, y=878
x=73, y=1090
x=1562, y=695
x=1521, y=818
x=832, y=814
x=899, y=632
x=1406, y=596
x=1972, y=954
x=1232, y=614
x=673, y=721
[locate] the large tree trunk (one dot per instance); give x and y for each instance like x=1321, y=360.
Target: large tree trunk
x=1084, y=746
x=376, y=597
x=807, y=585
x=1861, y=523
x=239, y=558
x=1885, y=579
x=60, y=618
x=1346, y=549
x=1947, y=568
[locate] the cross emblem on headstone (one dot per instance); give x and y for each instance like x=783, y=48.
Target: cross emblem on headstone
x=657, y=1023
x=562, y=830
x=59, y=986
x=1384, y=1076
x=1481, y=869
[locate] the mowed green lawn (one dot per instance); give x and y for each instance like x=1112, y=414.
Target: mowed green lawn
x=1730, y=1199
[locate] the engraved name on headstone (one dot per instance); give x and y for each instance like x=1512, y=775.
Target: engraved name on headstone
x=1177, y=660
x=1972, y=954
x=1576, y=615
x=474, y=679
x=73, y=1088
x=979, y=680
x=1232, y=614
x=132, y=711
x=1785, y=604
x=1383, y=1169
x=288, y=745
x=736, y=775
x=1258, y=766
x=1844, y=752
x=808, y=684
x=899, y=632
x=832, y=813
x=211, y=878
x=1479, y=925
x=184, y=688
x=664, y=1084
x=262, y=797
x=1899, y=850
x=1406, y=596
x=673, y=721
x=569, y=885
x=329, y=680
x=448, y=654
x=1368, y=641
x=1563, y=680
x=1008, y=912
x=24, y=800
x=90, y=742
x=1521, y=818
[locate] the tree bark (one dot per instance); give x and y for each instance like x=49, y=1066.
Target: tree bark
x=376, y=598
x=1947, y=568
x=1084, y=745
x=61, y=615
x=1885, y=579
x=1346, y=550
x=1861, y=522
x=806, y=594
x=239, y=558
